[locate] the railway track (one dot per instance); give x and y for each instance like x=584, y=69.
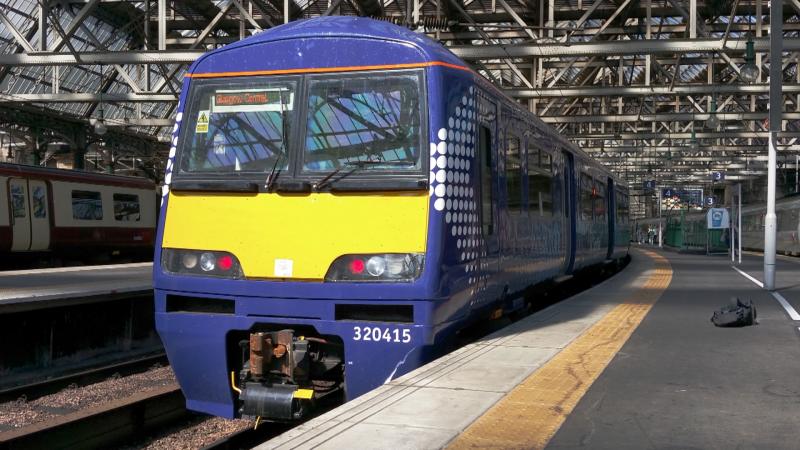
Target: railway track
x=102, y=426
x=40, y=388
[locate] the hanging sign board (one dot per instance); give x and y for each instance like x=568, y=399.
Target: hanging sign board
x=718, y=218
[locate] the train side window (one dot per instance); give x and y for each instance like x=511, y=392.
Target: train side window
x=39, y=203
x=599, y=201
x=485, y=148
x=586, y=197
x=513, y=174
x=126, y=208
x=87, y=205
x=568, y=188
x=540, y=183
x=18, y=201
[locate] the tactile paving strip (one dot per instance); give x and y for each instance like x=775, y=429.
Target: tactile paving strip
x=531, y=414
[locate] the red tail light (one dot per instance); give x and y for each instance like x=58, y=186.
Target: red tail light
x=225, y=262
x=357, y=266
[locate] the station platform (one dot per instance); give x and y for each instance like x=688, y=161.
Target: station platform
x=32, y=289
x=631, y=363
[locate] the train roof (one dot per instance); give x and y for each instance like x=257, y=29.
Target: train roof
x=354, y=38
x=351, y=43
x=74, y=176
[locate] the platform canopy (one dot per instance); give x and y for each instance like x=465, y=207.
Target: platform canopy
x=656, y=89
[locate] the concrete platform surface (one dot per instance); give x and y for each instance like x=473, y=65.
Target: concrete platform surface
x=431, y=406
x=680, y=382
x=41, y=285
x=633, y=363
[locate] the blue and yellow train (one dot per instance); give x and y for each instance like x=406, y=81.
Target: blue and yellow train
x=342, y=196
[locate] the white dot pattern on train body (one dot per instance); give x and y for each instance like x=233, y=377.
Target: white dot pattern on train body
x=452, y=160
x=172, y=151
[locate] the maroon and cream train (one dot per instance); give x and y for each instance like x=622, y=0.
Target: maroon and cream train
x=75, y=214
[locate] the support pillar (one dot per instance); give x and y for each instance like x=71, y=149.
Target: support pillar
x=775, y=107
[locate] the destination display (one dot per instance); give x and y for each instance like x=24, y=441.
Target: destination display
x=275, y=100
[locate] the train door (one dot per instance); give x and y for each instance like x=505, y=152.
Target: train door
x=569, y=229
x=487, y=154
x=20, y=214
x=40, y=222
x=611, y=214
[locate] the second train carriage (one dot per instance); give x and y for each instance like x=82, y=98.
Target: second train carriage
x=343, y=195
x=74, y=214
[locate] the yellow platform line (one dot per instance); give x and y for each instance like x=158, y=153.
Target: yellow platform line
x=531, y=414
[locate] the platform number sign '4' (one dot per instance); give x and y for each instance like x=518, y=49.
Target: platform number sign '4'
x=717, y=176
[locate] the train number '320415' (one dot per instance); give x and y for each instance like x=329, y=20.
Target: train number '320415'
x=379, y=334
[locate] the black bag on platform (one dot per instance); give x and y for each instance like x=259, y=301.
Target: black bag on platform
x=740, y=313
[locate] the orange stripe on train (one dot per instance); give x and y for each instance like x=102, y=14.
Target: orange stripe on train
x=325, y=70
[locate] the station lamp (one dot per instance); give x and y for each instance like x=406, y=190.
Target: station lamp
x=693, y=144
x=749, y=72
x=100, y=126
x=713, y=121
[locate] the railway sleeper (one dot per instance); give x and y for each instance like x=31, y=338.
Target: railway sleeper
x=284, y=374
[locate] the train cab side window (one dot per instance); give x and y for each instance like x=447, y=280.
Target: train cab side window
x=87, y=205
x=513, y=174
x=18, y=201
x=485, y=148
x=126, y=208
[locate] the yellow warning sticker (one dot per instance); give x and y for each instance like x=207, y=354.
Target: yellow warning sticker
x=202, y=121
x=306, y=394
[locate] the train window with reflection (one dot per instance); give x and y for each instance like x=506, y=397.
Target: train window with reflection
x=513, y=174
x=87, y=205
x=18, y=201
x=239, y=125
x=126, y=208
x=540, y=183
x=39, y=203
x=599, y=194
x=363, y=122
x=487, y=199
x=586, y=197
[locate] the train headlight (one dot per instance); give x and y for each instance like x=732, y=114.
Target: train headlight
x=200, y=262
x=208, y=262
x=376, y=266
x=387, y=267
x=189, y=260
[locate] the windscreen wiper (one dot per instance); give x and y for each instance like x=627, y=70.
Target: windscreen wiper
x=356, y=165
x=273, y=175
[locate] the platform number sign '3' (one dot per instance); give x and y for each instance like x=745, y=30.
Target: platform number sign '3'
x=717, y=176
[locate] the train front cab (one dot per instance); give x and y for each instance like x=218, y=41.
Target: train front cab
x=266, y=288
x=276, y=205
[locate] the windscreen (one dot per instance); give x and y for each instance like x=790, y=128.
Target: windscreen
x=372, y=121
x=238, y=126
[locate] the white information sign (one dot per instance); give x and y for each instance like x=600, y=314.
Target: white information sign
x=718, y=218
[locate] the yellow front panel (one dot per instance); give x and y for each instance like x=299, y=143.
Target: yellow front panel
x=300, y=234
